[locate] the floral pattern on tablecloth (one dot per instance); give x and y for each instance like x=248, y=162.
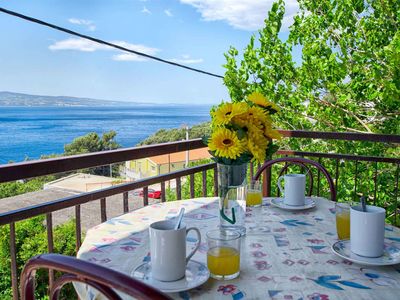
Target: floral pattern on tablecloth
x=284, y=255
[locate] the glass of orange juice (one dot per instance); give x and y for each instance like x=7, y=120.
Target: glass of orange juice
x=343, y=220
x=223, y=255
x=254, y=194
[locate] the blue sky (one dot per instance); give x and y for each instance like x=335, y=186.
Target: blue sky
x=38, y=60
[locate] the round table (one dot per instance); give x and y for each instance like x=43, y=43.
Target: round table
x=284, y=255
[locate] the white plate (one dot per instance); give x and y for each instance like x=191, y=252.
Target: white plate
x=196, y=274
x=391, y=254
x=278, y=202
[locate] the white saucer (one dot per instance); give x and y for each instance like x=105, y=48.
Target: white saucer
x=196, y=274
x=278, y=202
x=391, y=254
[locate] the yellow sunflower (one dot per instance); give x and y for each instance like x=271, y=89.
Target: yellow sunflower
x=226, y=144
x=259, y=99
x=257, y=145
x=225, y=112
x=252, y=116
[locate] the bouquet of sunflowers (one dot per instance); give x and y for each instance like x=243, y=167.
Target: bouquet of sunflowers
x=242, y=131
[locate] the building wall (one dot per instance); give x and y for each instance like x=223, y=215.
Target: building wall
x=174, y=167
x=143, y=168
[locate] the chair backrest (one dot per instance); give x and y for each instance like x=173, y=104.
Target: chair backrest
x=105, y=280
x=303, y=162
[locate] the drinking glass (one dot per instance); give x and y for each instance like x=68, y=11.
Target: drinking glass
x=223, y=255
x=233, y=209
x=343, y=220
x=254, y=194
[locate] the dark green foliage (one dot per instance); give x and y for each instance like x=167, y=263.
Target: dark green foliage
x=14, y=188
x=91, y=142
x=177, y=134
x=31, y=240
x=198, y=183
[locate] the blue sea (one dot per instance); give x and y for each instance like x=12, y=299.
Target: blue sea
x=29, y=132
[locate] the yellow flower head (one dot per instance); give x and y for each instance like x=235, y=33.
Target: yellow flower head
x=257, y=144
x=259, y=99
x=226, y=144
x=252, y=116
x=225, y=112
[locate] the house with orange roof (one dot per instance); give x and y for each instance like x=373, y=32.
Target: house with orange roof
x=161, y=164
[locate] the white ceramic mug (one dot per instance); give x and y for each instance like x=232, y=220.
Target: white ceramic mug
x=295, y=186
x=168, y=250
x=367, y=230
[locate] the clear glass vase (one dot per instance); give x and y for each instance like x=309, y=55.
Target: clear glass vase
x=232, y=193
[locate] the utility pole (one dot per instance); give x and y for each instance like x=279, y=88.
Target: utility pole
x=187, y=151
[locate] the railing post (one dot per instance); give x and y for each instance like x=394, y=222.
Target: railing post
x=50, y=245
x=204, y=178
x=13, y=254
x=163, y=199
x=145, y=196
x=125, y=202
x=337, y=174
x=103, y=210
x=78, y=231
x=191, y=185
x=355, y=182
x=375, y=181
x=396, y=194
x=178, y=189
x=267, y=182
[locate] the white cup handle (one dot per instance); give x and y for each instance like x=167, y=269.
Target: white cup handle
x=280, y=186
x=198, y=243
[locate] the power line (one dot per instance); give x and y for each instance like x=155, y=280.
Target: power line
x=37, y=21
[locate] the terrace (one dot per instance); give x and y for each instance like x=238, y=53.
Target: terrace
x=336, y=163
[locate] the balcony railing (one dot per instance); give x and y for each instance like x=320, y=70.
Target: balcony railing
x=29, y=169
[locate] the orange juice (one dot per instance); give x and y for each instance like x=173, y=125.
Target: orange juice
x=223, y=261
x=253, y=198
x=343, y=225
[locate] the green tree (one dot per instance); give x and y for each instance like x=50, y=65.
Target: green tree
x=92, y=142
x=349, y=76
x=348, y=80
x=177, y=134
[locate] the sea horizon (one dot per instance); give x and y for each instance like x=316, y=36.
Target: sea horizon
x=32, y=131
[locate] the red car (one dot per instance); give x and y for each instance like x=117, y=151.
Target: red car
x=152, y=194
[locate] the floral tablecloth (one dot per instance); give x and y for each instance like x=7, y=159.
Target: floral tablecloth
x=285, y=255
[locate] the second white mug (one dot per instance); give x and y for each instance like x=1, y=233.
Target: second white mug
x=295, y=186
x=367, y=230
x=168, y=250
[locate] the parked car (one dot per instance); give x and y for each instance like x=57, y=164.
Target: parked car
x=152, y=194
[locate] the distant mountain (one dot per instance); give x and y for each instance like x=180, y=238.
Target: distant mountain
x=18, y=99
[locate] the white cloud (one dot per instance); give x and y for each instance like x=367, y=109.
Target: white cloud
x=88, y=23
x=246, y=15
x=168, y=13
x=84, y=45
x=186, y=59
x=145, y=10
x=128, y=57
x=77, y=44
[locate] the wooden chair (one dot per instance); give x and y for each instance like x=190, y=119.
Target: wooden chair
x=103, y=279
x=303, y=162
